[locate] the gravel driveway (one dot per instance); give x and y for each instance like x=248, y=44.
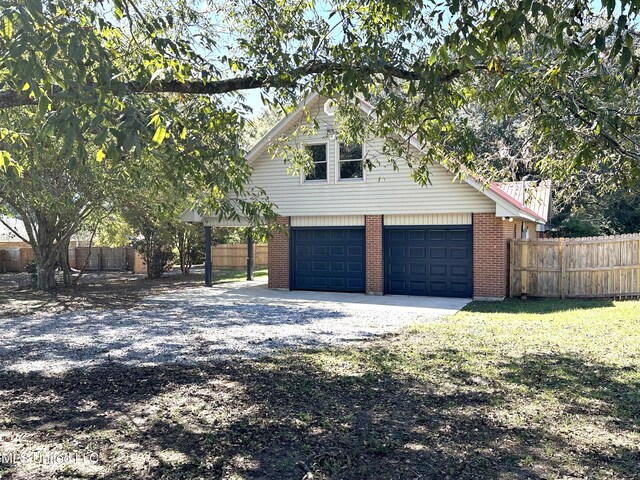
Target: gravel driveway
x=200, y=324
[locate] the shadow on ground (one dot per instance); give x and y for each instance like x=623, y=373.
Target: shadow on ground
x=277, y=417
x=537, y=305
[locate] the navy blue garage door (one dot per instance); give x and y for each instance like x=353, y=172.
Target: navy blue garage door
x=429, y=260
x=330, y=259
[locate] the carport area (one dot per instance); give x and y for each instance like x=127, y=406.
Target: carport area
x=230, y=320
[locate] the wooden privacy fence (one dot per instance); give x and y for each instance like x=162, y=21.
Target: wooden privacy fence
x=575, y=267
x=235, y=256
x=103, y=258
x=15, y=259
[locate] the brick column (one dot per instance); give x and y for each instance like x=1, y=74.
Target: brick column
x=491, y=256
x=373, y=233
x=279, y=256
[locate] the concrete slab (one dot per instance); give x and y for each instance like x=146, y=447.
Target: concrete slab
x=258, y=292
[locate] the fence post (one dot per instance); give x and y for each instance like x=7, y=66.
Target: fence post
x=563, y=269
x=207, y=256
x=249, y=253
x=512, y=272
x=524, y=268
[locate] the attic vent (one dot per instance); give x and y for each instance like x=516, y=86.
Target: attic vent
x=330, y=107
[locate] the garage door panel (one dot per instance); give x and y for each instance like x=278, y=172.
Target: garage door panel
x=415, y=235
x=460, y=271
x=354, y=267
x=436, y=270
x=429, y=260
x=459, y=253
x=320, y=267
x=459, y=235
x=417, y=269
x=331, y=259
x=460, y=288
x=396, y=235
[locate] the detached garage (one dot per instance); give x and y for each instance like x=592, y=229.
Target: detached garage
x=356, y=223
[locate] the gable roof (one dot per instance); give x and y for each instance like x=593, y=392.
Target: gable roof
x=279, y=128
x=530, y=201
x=533, y=197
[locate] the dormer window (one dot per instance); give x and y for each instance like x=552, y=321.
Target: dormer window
x=350, y=162
x=318, y=154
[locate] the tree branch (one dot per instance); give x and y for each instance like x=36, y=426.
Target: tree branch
x=9, y=98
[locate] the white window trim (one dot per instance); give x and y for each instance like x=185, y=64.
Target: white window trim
x=303, y=175
x=337, y=166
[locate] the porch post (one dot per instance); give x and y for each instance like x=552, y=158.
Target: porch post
x=207, y=256
x=249, y=253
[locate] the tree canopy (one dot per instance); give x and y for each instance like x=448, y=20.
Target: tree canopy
x=86, y=64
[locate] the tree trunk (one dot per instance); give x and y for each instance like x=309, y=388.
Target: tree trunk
x=184, y=251
x=63, y=260
x=46, y=279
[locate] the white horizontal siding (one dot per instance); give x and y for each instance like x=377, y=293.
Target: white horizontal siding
x=429, y=219
x=328, y=221
x=385, y=191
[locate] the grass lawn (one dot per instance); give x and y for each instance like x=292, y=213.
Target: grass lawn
x=518, y=389
x=237, y=275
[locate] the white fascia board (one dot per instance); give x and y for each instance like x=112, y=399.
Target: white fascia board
x=514, y=213
x=190, y=216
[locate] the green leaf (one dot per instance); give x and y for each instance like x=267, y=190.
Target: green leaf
x=625, y=57
x=433, y=56
x=43, y=105
x=160, y=135
x=100, y=155
x=7, y=27
x=600, y=43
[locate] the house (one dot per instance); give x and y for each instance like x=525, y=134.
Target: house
x=8, y=239
x=348, y=229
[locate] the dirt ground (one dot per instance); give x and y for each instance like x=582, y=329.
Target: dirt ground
x=95, y=290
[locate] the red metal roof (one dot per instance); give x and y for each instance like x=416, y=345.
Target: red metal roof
x=531, y=197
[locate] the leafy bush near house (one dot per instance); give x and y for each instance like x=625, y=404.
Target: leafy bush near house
x=157, y=255
x=32, y=269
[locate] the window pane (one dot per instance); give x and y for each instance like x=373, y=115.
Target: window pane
x=319, y=172
x=348, y=152
x=351, y=169
x=318, y=154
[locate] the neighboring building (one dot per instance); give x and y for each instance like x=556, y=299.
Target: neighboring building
x=8, y=239
x=378, y=231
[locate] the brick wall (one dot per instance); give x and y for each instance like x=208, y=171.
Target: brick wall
x=373, y=232
x=490, y=254
x=279, y=256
